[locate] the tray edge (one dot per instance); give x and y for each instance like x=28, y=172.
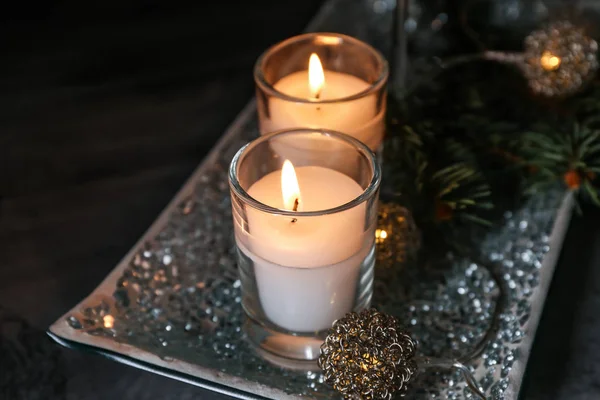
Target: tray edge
x=556, y=241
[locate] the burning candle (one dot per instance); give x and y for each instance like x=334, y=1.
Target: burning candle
x=323, y=97
x=359, y=116
x=304, y=233
x=306, y=267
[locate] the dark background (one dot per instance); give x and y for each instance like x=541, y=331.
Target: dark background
x=105, y=110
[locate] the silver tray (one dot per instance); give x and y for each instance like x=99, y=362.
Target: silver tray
x=171, y=306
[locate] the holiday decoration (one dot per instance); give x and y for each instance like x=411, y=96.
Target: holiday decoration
x=397, y=236
x=571, y=155
x=559, y=59
x=368, y=355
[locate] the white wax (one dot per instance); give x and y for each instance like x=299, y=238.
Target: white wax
x=310, y=241
x=306, y=271
x=358, y=118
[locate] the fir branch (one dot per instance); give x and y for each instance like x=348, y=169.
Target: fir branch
x=571, y=156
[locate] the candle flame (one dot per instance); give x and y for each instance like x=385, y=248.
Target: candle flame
x=316, y=76
x=289, y=187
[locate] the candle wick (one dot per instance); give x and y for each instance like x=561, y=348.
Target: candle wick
x=317, y=96
x=295, y=208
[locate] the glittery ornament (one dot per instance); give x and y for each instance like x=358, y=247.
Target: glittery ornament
x=397, y=236
x=559, y=59
x=367, y=355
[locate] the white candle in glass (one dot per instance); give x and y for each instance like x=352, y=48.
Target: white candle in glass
x=358, y=117
x=307, y=267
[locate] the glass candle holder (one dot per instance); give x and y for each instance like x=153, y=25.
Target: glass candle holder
x=323, y=80
x=305, y=235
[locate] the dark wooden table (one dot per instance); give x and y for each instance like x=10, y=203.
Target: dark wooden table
x=105, y=110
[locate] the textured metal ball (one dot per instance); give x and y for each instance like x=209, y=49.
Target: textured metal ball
x=368, y=356
x=397, y=236
x=560, y=59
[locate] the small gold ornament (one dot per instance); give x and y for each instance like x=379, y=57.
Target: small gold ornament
x=397, y=237
x=368, y=356
x=559, y=60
